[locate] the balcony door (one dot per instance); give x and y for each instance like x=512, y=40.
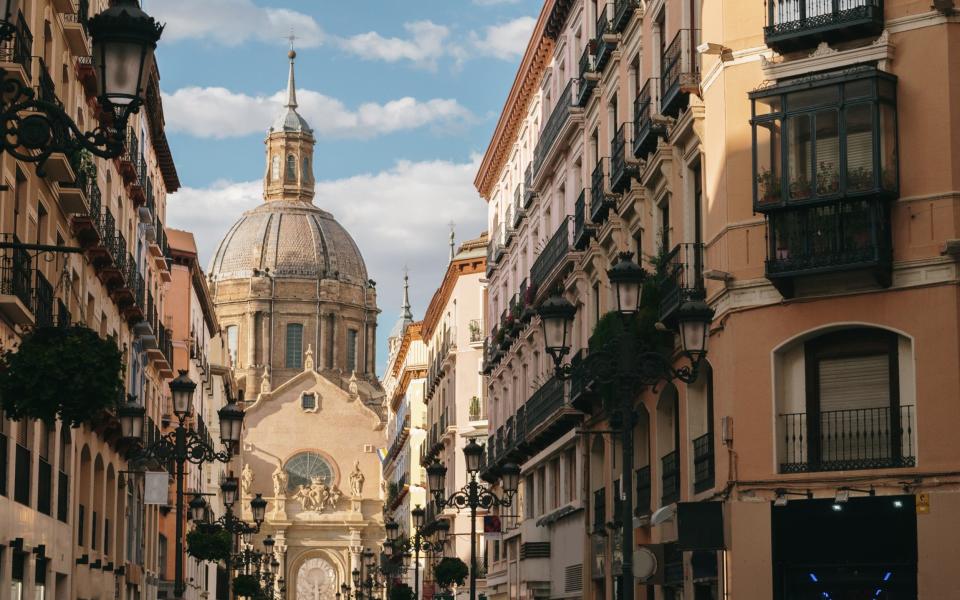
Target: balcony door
x=853, y=400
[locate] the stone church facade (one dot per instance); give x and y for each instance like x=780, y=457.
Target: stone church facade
x=299, y=314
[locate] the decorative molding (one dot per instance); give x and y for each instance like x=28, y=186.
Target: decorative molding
x=824, y=58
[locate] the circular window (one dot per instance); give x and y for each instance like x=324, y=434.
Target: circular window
x=303, y=468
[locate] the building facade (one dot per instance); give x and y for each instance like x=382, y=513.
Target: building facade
x=75, y=524
x=299, y=314
x=772, y=160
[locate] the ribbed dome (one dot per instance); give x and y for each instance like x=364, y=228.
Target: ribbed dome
x=293, y=240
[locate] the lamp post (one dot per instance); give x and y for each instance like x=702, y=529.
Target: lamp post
x=628, y=364
x=182, y=445
x=417, y=542
x=473, y=495
x=124, y=40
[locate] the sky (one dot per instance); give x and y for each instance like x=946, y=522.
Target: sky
x=402, y=96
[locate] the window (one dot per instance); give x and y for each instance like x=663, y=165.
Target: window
x=541, y=491
x=306, y=170
x=21, y=488
x=352, y=335
x=663, y=209
x=294, y=354
x=303, y=468
x=528, y=493
x=275, y=169
x=308, y=402
x=555, y=483
x=232, y=344
x=570, y=463
x=291, y=168
x=162, y=555
x=825, y=142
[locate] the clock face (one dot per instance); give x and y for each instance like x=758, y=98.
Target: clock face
x=644, y=564
x=303, y=468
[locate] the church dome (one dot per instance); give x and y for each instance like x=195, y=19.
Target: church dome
x=292, y=240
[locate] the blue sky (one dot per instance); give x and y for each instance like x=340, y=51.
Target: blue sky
x=403, y=97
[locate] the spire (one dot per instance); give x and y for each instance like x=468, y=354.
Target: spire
x=405, y=309
x=452, y=240
x=291, y=82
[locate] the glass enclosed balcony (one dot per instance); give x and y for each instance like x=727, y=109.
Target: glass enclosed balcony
x=799, y=24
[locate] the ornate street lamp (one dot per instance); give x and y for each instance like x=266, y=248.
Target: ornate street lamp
x=228, y=489
x=198, y=509
x=473, y=495
x=182, y=445
x=418, y=542
x=627, y=364
x=258, y=507
x=124, y=40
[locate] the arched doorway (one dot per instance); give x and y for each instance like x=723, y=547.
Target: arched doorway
x=316, y=580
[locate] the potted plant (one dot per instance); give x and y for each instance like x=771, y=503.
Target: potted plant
x=768, y=187
x=209, y=543
x=246, y=585
x=828, y=179
x=401, y=591
x=66, y=373
x=800, y=187
x=449, y=571
x=83, y=166
x=515, y=313
x=528, y=309
x=859, y=179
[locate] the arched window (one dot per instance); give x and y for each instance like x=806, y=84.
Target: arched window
x=303, y=468
x=291, y=168
x=294, y=353
x=306, y=171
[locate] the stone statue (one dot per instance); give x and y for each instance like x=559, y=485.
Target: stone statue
x=317, y=496
x=308, y=361
x=353, y=386
x=279, y=482
x=356, y=480
x=265, y=381
x=246, y=481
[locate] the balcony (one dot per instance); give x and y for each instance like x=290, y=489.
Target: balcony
x=582, y=230
x=623, y=167
x=16, y=53
x=555, y=130
x=670, y=478
x=847, y=440
x=643, y=503
x=647, y=128
x=605, y=41
x=703, y=463
x=623, y=11
x=518, y=211
x=587, y=77
x=529, y=194
x=581, y=382
x=801, y=24
x=43, y=301
x=683, y=280
x=853, y=235
x=679, y=71
x=548, y=415
x=129, y=160
x=555, y=256
x=75, y=28
x=16, y=285
x=601, y=200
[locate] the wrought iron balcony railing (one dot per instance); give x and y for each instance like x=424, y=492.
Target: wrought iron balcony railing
x=554, y=125
x=518, y=211
x=582, y=230
x=605, y=41
x=683, y=279
x=548, y=414
x=43, y=301
x=16, y=275
x=623, y=167
x=554, y=254
x=703, y=462
x=643, y=501
x=601, y=200
x=529, y=195
x=586, y=78
x=622, y=13
x=679, y=71
x=852, y=439
x=647, y=129
x=798, y=24
x=839, y=236
x=46, y=89
x=18, y=49
x=670, y=478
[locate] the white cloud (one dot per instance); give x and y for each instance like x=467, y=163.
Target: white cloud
x=424, y=46
x=506, y=41
x=216, y=112
x=398, y=217
x=233, y=22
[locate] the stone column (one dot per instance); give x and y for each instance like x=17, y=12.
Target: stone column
x=251, y=339
x=266, y=322
x=333, y=340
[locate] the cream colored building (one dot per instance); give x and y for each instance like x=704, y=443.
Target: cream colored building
x=299, y=315
x=452, y=329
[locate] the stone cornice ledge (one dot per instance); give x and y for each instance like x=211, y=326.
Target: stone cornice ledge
x=825, y=58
